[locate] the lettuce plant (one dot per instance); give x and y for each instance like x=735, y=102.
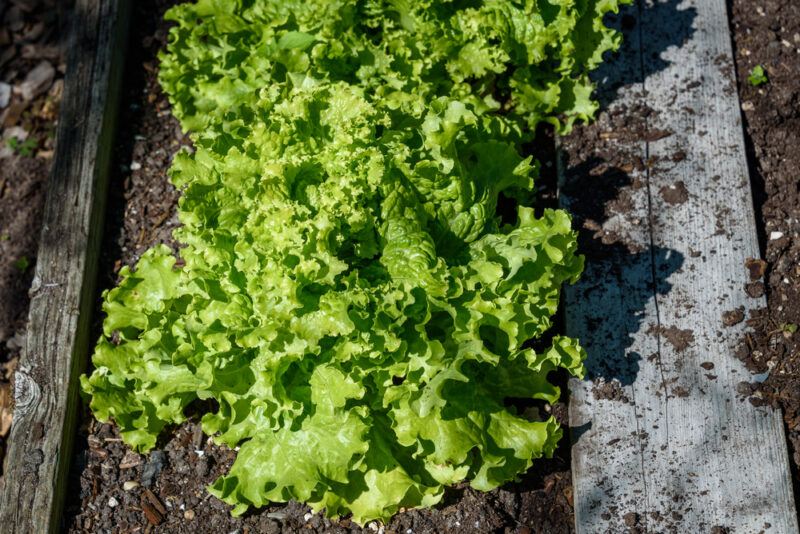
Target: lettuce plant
x=348, y=300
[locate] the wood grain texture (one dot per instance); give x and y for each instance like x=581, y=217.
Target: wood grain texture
x=63, y=290
x=672, y=446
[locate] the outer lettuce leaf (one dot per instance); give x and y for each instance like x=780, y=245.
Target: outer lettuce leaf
x=347, y=295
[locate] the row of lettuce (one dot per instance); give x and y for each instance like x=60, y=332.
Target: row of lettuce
x=348, y=296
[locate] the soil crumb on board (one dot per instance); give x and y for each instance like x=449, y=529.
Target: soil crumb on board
x=675, y=194
x=680, y=339
x=755, y=290
x=603, y=389
x=733, y=317
x=757, y=268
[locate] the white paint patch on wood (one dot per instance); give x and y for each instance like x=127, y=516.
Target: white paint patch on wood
x=682, y=452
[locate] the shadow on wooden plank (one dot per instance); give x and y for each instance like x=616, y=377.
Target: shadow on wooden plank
x=612, y=258
x=623, y=68
x=661, y=441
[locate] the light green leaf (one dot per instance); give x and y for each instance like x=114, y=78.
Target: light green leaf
x=757, y=76
x=298, y=40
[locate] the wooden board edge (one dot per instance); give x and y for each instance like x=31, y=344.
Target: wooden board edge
x=106, y=24
x=119, y=45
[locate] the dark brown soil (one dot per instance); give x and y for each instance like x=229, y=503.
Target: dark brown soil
x=29, y=42
x=609, y=390
x=115, y=490
x=733, y=317
x=679, y=339
x=767, y=33
x=675, y=194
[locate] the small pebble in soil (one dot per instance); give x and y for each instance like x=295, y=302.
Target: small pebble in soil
x=113, y=503
x=37, y=81
x=129, y=485
x=5, y=94
x=761, y=377
x=188, y=515
x=774, y=236
x=130, y=460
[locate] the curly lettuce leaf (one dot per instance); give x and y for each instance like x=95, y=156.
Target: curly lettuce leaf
x=534, y=55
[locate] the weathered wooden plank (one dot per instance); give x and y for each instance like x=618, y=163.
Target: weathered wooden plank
x=63, y=291
x=661, y=440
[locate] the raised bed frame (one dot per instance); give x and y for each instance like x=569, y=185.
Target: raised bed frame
x=725, y=459
x=63, y=290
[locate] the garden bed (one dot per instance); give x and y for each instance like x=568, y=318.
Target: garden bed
x=170, y=492
x=113, y=489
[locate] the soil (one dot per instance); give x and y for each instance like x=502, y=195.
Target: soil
x=31, y=83
x=115, y=490
x=609, y=390
x=768, y=34
x=680, y=339
x=675, y=194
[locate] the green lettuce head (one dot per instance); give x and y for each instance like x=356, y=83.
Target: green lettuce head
x=348, y=296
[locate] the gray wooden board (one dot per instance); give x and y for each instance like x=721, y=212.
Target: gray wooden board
x=662, y=442
x=63, y=290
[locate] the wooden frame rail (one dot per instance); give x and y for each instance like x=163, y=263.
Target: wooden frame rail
x=674, y=447
x=63, y=291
